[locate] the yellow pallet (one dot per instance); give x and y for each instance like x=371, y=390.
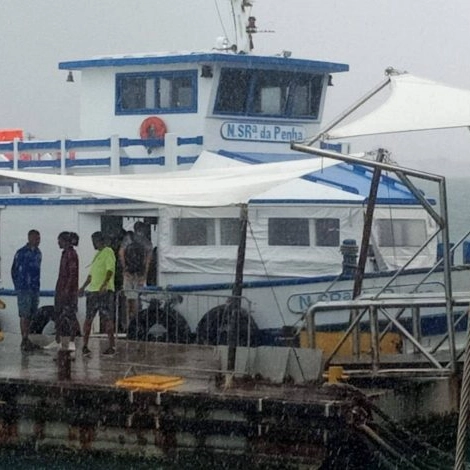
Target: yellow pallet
x=150, y=382
x=327, y=341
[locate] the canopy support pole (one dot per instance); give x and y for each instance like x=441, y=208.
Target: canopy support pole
x=234, y=310
x=352, y=108
x=374, y=187
x=366, y=232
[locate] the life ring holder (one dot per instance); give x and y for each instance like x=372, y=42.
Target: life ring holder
x=152, y=128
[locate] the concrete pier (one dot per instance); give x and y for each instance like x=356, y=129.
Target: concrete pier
x=88, y=412
x=276, y=424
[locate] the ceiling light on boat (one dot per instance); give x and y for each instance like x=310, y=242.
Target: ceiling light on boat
x=70, y=77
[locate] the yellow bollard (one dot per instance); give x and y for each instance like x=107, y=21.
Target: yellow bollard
x=335, y=374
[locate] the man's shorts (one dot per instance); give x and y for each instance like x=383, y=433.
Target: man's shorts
x=102, y=302
x=131, y=283
x=28, y=302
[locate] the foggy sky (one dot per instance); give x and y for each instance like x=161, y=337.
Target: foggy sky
x=425, y=37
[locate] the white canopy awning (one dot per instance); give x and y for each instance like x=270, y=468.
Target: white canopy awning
x=414, y=104
x=192, y=188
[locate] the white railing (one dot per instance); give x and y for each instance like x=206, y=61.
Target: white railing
x=388, y=306
x=112, y=155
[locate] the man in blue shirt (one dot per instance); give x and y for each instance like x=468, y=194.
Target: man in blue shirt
x=26, y=273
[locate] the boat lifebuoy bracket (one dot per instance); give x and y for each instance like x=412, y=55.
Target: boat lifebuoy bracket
x=152, y=128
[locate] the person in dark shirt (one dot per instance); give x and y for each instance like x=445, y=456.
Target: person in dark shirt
x=26, y=273
x=135, y=255
x=66, y=290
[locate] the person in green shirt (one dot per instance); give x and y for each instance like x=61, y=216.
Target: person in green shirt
x=99, y=287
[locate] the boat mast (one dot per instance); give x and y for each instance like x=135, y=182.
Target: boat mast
x=245, y=25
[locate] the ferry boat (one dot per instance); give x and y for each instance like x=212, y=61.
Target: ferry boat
x=162, y=122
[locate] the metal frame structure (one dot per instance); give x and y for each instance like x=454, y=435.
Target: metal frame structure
x=404, y=175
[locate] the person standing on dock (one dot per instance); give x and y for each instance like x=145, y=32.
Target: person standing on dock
x=100, y=292
x=66, y=291
x=135, y=255
x=26, y=275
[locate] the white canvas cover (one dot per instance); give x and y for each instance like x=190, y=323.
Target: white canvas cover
x=192, y=188
x=216, y=263
x=295, y=189
x=393, y=257
x=414, y=104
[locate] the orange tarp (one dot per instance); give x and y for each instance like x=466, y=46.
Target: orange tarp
x=7, y=135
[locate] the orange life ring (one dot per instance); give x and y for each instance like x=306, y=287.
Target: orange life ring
x=152, y=128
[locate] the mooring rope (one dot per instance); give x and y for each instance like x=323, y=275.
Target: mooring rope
x=395, y=444
x=445, y=458
x=400, y=458
x=464, y=402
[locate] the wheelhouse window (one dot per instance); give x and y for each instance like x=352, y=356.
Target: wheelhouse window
x=288, y=232
x=269, y=93
x=400, y=232
x=163, y=92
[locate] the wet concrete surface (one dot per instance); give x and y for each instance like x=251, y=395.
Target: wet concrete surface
x=250, y=417
x=268, y=423
x=198, y=365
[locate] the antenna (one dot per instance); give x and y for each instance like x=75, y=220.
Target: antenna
x=245, y=25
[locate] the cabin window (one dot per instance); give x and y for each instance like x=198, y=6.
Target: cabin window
x=288, y=232
x=269, y=93
x=229, y=231
x=163, y=92
x=193, y=232
x=401, y=232
x=204, y=231
x=327, y=232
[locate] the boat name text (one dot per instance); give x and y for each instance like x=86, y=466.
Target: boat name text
x=261, y=132
x=298, y=303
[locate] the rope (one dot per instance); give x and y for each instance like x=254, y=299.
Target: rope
x=276, y=300
x=385, y=446
x=412, y=448
x=419, y=444
x=464, y=407
x=278, y=305
x=220, y=18
x=394, y=440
